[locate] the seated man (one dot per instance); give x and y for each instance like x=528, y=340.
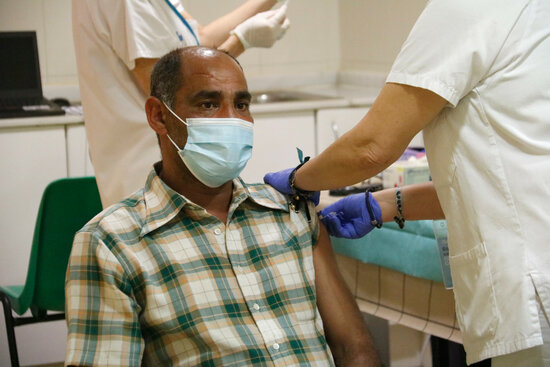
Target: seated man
x=199, y=268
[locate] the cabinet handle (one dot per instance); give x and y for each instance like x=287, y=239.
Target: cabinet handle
x=335, y=131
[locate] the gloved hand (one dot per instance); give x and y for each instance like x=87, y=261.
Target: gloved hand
x=280, y=181
x=349, y=217
x=263, y=29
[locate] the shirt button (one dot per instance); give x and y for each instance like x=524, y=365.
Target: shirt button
x=276, y=346
x=217, y=231
x=256, y=307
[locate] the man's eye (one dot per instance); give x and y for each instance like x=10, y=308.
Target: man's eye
x=243, y=105
x=208, y=105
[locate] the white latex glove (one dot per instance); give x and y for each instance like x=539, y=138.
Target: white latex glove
x=263, y=29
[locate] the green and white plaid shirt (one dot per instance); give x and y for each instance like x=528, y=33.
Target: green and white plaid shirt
x=156, y=280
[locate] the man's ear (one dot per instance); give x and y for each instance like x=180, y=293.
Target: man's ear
x=153, y=110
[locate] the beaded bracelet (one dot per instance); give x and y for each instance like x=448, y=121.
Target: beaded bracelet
x=373, y=220
x=399, y=219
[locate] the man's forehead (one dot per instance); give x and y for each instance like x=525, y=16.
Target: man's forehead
x=210, y=62
x=213, y=72
x=213, y=75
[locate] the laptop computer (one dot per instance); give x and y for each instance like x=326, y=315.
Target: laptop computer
x=20, y=83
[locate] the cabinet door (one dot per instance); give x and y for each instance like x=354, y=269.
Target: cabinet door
x=78, y=156
x=333, y=123
x=31, y=159
x=276, y=137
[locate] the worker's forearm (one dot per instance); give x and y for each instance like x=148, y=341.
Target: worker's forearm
x=419, y=201
x=232, y=46
x=216, y=32
x=344, y=163
x=397, y=115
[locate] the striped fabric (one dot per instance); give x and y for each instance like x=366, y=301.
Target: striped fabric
x=156, y=280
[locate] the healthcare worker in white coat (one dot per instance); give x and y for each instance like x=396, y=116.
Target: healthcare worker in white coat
x=117, y=42
x=474, y=75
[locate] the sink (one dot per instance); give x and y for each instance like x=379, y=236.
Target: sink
x=277, y=96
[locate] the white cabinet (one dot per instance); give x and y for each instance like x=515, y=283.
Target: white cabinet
x=333, y=123
x=276, y=137
x=30, y=159
x=78, y=156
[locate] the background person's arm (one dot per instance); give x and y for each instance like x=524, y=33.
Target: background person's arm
x=378, y=140
x=216, y=33
x=346, y=334
x=142, y=73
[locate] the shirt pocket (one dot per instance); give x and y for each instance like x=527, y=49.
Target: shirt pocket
x=475, y=300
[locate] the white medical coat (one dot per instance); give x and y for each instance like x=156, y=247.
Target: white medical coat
x=109, y=35
x=489, y=156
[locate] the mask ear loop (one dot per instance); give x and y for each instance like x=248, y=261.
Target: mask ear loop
x=173, y=113
x=179, y=118
x=173, y=143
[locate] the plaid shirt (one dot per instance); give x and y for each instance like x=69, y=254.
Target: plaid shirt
x=156, y=280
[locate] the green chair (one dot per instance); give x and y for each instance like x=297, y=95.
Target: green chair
x=66, y=205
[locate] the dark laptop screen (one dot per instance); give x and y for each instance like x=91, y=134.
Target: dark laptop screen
x=19, y=67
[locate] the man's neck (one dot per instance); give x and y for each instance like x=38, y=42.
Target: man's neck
x=215, y=201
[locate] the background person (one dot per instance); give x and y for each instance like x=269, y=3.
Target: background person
x=117, y=42
x=197, y=270
x=474, y=76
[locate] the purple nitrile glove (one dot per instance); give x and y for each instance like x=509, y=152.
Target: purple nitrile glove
x=281, y=182
x=349, y=217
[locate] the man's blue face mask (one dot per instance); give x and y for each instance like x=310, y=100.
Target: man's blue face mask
x=217, y=149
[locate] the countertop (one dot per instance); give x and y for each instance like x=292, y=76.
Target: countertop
x=41, y=121
x=342, y=96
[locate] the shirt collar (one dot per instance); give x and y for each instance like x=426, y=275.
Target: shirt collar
x=162, y=203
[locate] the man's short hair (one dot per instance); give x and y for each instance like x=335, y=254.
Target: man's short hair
x=166, y=77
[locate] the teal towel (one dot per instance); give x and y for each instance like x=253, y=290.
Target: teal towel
x=411, y=250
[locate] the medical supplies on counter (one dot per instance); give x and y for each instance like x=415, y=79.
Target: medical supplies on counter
x=411, y=170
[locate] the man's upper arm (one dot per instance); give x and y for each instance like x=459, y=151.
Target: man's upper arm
x=346, y=334
x=101, y=318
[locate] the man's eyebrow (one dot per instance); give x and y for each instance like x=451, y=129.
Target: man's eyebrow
x=215, y=94
x=206, y=94
x=243, y=95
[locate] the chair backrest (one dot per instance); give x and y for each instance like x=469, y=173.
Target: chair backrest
x=66, y=206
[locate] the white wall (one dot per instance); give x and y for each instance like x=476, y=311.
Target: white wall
x=51, y=19
x=311, y=45
x=325, y=36
x=302, y=50
x=372, y=32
